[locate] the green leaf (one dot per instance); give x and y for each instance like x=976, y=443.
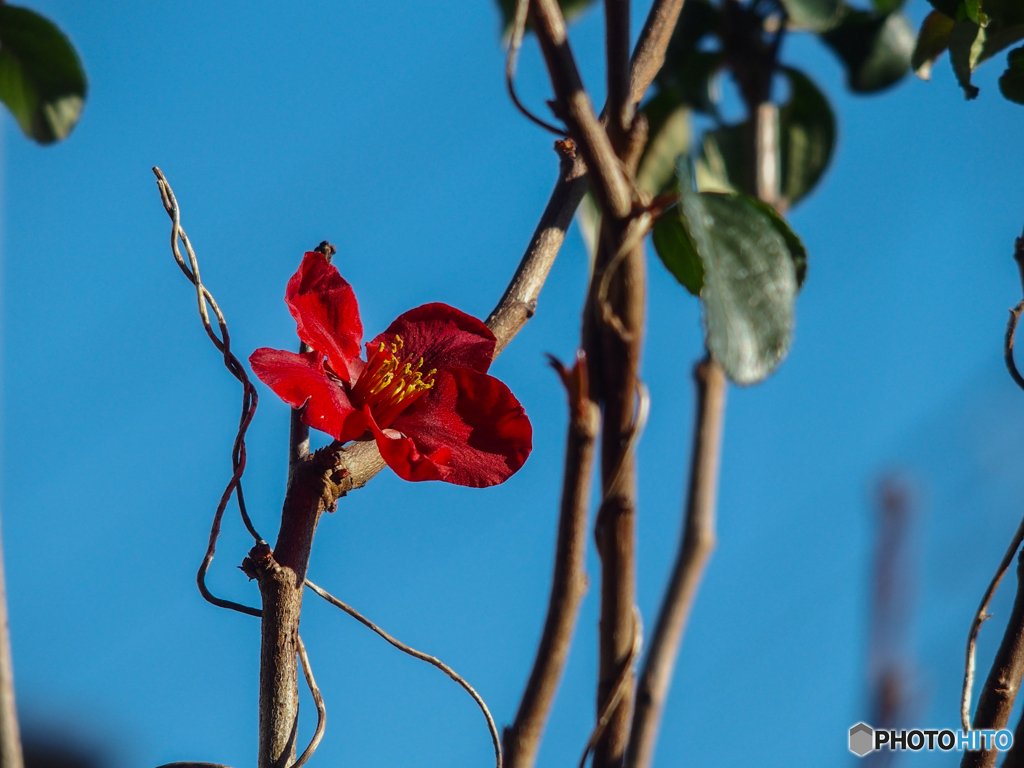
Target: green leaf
x=815, y=15
x=875, y=49
x=677, y=252
x=750, y=279
x=41, y=79
x=669, y=137
x=966, y=42
x=887, y=6
x=570, y=10
x=692, y=79
x=807, y=130
x=1011, y=83
x=946, y=7
x=932, y=40
x=796, y=246
x=807, y=133
x=698, y=19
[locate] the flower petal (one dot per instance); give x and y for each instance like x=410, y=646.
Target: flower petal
x=443, y=336
x=326, y=313
x=478, y=420
x=301, y=380
x=402, y=455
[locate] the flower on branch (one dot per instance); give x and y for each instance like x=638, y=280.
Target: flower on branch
x=422, y=393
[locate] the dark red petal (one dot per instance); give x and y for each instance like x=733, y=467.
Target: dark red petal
x=300, y=379
x=401, y=454
x=478, y=419
x=443, y=336
x=325, y=311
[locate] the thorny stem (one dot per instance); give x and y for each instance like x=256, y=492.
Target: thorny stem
x=569, y=582
x=698, y=542
x=10, y=736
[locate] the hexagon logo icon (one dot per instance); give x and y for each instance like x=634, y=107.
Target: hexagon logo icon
x=862, y=739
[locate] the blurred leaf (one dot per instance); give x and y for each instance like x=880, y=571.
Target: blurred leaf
x=972, y=10
x=698, y=19
x=946, y=7
x=1011, y=83
x=41, y=79
x=677, y=252
x=692, y=79
x=999, y=36
x=966, y=41
x=807, y=132
x=570, y=9
x=815, y=15
x=875, y=49
x=887, y=6
x=932, y=40
x=796, y=246
x=750, y=279
x=669, y=137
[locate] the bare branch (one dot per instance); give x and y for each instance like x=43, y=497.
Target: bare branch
x=619, y=107
x=514, y=44
x=10, y=735
x=1000, y=691
x=569, y=582
x=519, y=301
x=433, y=661
x=621, y=687
x=1011, y=332
x=649, y=54
x=249, y=396
x=697, y=544
x=318, y=700
x=610, y=185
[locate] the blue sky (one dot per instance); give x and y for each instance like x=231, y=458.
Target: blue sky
x=385, y=129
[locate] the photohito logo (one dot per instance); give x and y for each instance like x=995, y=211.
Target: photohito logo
x=865, y=739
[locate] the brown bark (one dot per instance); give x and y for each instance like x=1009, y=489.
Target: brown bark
x=569, y=583
x=698, y=542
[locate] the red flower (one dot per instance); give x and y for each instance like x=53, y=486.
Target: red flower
x=423, y=392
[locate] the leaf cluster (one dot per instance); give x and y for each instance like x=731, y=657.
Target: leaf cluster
x=973, y=31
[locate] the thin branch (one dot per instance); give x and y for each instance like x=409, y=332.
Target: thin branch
x=519, y=302
x=619, y=108
x=697, y=544
x=1011, y=332
x=982, y=613
x=10, y=734
x=574, y=105
x=433, y=661
x=1000, y=690
x=649, y=54
x=514, y=44
x=318, y=699
x=249, y=395
x=362, y=459
x=192, y=765
x=569, y=582
x=1011, y=328
x=621, y=686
